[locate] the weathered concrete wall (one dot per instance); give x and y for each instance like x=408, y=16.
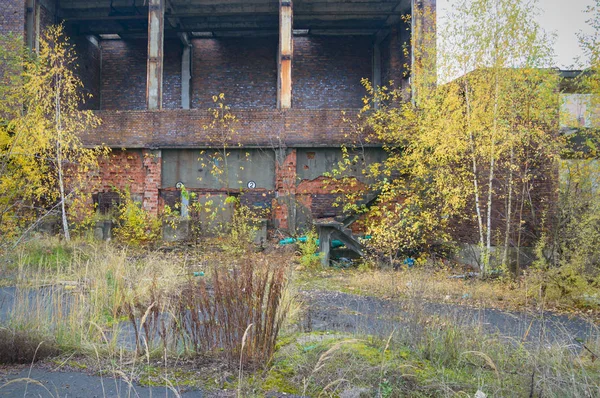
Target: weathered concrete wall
x=314, y=162
x=205, y=168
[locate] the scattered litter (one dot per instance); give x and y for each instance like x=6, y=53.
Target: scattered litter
x=201, y=273
x=480, y=394
x=409, y=261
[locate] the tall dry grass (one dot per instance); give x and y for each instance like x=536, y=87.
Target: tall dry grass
x=104, y=299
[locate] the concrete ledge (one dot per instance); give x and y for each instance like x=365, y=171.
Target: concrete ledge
x=182, y=128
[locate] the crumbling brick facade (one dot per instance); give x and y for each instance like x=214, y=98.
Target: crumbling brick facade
x=290, y=85
x=135, y=171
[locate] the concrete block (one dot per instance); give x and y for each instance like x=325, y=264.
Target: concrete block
x=260, y=237
x=176, y=230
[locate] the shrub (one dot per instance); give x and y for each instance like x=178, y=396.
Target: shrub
x=309, y=250
x=136, y=226
x=239, y=234
x=568, y=264
x=211, y=318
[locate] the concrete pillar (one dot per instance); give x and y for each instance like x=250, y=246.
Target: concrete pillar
x=284, y=58
x=156, y=25
x=376, y=69
x=30, y=25
x=376, y=65
x=423, y=44
x=186, y=77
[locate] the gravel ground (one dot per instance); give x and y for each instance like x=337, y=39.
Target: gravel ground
x=77, y=385
x=350, y=313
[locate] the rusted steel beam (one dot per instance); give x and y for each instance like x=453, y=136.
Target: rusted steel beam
x=156, y=31
x=286, y=51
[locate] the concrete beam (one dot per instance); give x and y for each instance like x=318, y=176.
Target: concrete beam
x=156, y=30
x=284, y=58
x=186, y=72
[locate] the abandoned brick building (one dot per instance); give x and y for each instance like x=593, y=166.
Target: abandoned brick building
x=287, y=69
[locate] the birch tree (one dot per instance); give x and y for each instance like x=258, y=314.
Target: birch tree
x=463, y=146
x=40, y=141
x=509, y=101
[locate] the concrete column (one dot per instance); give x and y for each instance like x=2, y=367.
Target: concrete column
x=30, y=25
x=186, y=72
x=376, y=69
x=156, y=24
x=284, y=58
x=186, y=77
x=423, y=40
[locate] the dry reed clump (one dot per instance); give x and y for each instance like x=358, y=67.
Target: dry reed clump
x=211, y=317
x=248, y=294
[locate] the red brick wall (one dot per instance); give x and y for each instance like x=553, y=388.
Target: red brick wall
x=12, y=17
x=245, y=70
x=185, y=128
x=124, y=74
x=285, y=174
x=138, y=171
x=326, y=71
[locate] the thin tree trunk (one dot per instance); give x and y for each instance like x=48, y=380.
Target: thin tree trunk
x=61, y=184
x=518, y=268
x=488, y=247
x=508, y=208
x=475, y=181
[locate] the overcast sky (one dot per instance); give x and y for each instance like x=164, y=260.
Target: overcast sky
x=563, y=17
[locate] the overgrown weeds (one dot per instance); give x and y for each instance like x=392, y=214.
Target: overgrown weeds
x=103, y=300
x=22, y=347
x=433, y=356
x=455, y=285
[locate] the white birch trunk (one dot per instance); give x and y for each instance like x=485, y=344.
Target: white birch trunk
x=508, y=208
x=61, y=184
